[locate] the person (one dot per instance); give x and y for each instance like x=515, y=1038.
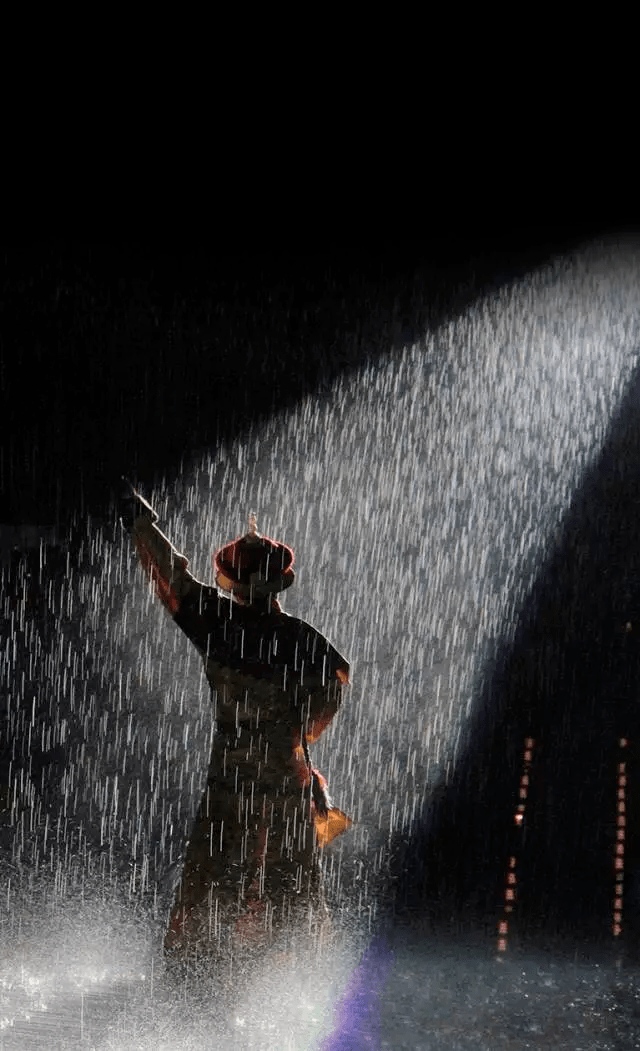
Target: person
x=251, y=863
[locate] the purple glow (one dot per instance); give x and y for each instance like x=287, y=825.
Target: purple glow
x=358, y=1015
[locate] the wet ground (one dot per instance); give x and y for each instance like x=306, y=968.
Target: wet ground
x=91, y=980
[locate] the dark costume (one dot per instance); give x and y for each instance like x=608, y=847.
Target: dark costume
x=251, y=861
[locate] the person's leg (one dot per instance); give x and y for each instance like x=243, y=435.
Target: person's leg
x=208, y=887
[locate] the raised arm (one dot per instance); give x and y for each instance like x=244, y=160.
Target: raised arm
x=165, y=567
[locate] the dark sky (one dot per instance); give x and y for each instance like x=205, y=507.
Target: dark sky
x=123, y=358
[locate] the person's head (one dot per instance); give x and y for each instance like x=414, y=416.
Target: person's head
x=253, y=569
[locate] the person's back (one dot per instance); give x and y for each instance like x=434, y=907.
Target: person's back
x=276, y=683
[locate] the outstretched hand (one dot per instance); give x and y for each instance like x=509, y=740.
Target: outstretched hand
x=131, y=505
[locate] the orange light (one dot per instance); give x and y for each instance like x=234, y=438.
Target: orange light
x=328, y=826
x=621, y=822
x=518, y=818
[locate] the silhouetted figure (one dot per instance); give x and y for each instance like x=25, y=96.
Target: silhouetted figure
x=251, y=861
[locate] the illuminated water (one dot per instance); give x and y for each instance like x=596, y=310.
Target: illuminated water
x=421, y=496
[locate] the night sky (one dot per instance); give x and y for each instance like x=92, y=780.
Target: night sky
x=125, y=358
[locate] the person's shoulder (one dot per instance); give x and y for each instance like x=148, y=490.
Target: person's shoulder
x=313, y=645
x=205, y=602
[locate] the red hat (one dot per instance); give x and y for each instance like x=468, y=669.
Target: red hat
x=253, y=565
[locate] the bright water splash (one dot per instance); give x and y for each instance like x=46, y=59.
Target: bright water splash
x=83, y=978
x=61, y=957
x=88, y=975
